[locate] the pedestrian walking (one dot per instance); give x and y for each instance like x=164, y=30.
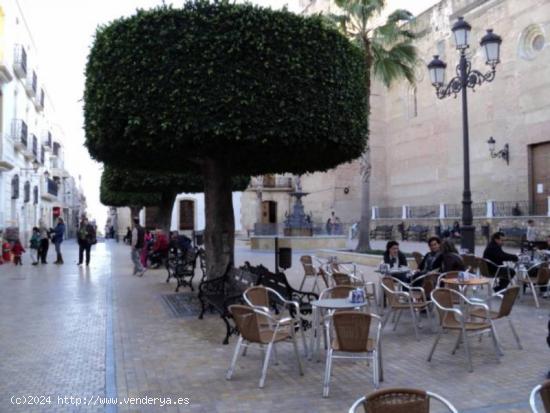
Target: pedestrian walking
x=44, y=242
x=59, y=233
x=6, y=251
x=17, y=251
x=138, y=235
x=86, y=238
x=35, y=244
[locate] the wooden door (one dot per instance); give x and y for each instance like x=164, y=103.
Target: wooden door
x=187, y=215
x=151, y=218
x=540, y=177
x=269, y=212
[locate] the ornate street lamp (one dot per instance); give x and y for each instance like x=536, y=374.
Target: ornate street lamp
x=466, y=78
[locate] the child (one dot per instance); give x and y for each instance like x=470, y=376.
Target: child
x=17, y=250
x=35, y=243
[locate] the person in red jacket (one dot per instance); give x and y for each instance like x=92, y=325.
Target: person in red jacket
x=6, y=251
x=160, y=249
x=17, y=251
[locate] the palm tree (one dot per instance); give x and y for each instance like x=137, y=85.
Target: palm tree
x=389, y=56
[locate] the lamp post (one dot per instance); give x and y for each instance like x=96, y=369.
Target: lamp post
x=465, y=78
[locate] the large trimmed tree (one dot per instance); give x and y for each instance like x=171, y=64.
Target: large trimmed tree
x=226, y=89
x=134, y=200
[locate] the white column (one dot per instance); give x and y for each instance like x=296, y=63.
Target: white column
x=374, y=212
x=405, y=212
x=490, y=209
x=442, y=212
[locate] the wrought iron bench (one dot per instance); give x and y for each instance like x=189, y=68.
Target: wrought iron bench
x=418, y=232
x=384, y=231
x=181, y=266
x=279, y=283
x=514, y=234
x=219, y=293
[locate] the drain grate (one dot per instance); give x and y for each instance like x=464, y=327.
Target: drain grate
x=184, y=304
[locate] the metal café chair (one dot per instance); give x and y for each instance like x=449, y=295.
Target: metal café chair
x=543, y=390
x=418, y=257
x=398, y=400
x=507, y=300
x=412, y=300
x=540, y=281
x=340, y=278
x=311, y=271
x=454, y=319
x=352, y=337
x=260, y=328
x=501, y=271
x=269, y=300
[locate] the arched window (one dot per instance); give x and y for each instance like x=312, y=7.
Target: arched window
x=15, y=187
x=35, y=195
x=27, y=192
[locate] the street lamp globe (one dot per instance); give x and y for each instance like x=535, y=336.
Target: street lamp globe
x=491, y=143
x=491, y=44
x=461, y=31
x=437, y=71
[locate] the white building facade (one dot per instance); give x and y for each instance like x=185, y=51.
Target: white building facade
x=34, y=184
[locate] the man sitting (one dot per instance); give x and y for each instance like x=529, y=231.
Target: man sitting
x=160, y=249
x=494, y=253
x=432, y=260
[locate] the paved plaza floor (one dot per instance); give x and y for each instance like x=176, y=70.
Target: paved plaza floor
x=100, y=332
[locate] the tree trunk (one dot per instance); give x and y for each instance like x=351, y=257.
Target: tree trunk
x=363, y=243
x=219, y=233
x=165, y=211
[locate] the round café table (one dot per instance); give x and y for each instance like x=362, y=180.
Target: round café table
x=464, y=284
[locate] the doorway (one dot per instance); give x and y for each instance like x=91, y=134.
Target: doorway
x=269, y=212
x=540, y=178
x=187, y=215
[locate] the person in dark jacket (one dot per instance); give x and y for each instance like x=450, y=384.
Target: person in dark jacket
x=496, y=255
x=393, y=256
x=86, y=238
x=432, y=260
x=450, y=260
x=57, y=239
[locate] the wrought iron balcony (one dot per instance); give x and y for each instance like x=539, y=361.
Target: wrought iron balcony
x=49, y=189
x=31, y=84
x=276, y=183
x=56, y=149
x=34, y=145
x=48, y=141
x=19, y=134
x=20, y=61
x=39, y=99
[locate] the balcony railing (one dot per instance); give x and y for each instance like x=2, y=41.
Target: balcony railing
x=427, y=211
x=19, y=133
x=20, y=61
x=274, y=181
x=48, y=141
x=31, y=84
x=390, y=212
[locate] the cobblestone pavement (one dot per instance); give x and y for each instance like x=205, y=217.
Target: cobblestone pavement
x=55, y=328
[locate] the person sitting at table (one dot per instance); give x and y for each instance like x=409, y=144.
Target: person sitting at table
x=494, y=253
x=395, y=259
x=432, y=260
x=450, y=260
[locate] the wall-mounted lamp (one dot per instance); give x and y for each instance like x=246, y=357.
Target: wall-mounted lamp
x=504, y=153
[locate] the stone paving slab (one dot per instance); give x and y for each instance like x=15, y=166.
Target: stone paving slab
x=54, y=320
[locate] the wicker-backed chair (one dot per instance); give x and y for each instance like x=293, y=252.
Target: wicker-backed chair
x=538, y=282
x=501, y=271
x=261, y=328
x=352, y=336
x=543, y=390
x=507, y=299
x=397, y=400
x=418, y=257
x=311, y=271
x=269, y=300
x=453, y=319
x=470, y=261
x=398, y=300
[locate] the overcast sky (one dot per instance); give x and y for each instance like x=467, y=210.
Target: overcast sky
x=62, y=31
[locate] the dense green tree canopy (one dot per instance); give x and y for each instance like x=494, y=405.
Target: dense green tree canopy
x=147, y=181
x=113, y=197
x=262, y=91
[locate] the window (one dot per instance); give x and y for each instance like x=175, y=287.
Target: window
x=27, y=192
x=35, y=195
x=15, y=187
